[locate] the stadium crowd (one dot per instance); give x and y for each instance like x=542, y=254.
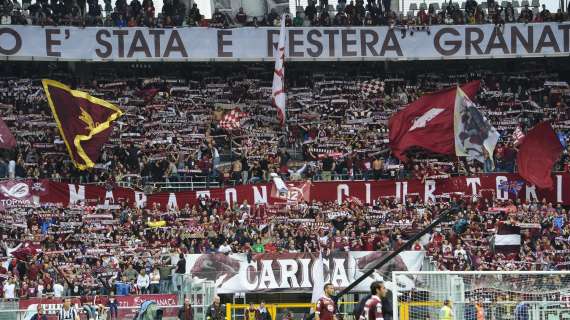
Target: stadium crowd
x=76, y=252
x=174, y=13
x=171, y=131
x=336, y=129
x=177, y=130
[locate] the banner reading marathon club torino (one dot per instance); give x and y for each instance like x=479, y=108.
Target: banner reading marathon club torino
x=304, y=44
x=296, y=271
x=485, y=185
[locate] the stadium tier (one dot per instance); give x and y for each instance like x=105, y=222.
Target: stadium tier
x=359, y=160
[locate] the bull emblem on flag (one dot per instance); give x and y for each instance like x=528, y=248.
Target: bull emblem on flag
x=474, y=134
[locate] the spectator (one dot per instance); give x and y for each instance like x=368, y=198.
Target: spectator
x=143, y=281
x=179, y=272
x=241, y=17
x=185, y=312
x=154, y=287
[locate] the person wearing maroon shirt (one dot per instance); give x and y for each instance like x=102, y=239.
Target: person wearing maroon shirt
x=373, y=307
x=326, y=307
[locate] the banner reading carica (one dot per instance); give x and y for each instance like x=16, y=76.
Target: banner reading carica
x=297, y=271
x=303, y=44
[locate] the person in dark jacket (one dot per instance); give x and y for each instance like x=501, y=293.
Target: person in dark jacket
x=387, y=308
x=215, y=311
x=40, y=315
x=185, y=312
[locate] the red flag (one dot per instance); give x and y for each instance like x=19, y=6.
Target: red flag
x=538, y=152
x=7, y=140
x=84, y=121
x=427, y=122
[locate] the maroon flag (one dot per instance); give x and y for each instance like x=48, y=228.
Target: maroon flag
x=428, y=122
x=84, y=122
x=7, y=140
x=538, y=152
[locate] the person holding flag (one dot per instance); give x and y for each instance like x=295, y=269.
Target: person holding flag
x=84, y=122
x=278, y=95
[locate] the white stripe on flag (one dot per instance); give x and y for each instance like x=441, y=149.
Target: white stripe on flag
x=507, y=240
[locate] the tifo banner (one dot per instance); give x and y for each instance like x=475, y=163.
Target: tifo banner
x=128, y=305
x=310, y=43
x=295, y=271
x=484, y=185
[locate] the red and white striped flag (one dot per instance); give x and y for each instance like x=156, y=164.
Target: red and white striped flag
x=278, y=95
x=232, y=119
x=518, y=136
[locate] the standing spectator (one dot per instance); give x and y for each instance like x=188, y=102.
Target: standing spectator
x=130, y=273
x=185, y=312
x=154, y=281
x=58, y=290
x=194, y=16
x=143, y=281
x=215, y=311
x=179, y=272
x=263, y=312
x=328, y=167
x=10, y=290
x=241, y=17
x=165, y=271
x=113, y=306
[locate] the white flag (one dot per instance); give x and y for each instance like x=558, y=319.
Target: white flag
x=474, y=134
x=318, y=279
x=278, y=96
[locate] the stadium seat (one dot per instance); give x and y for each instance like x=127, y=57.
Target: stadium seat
x=300, y=9
x=483, y=5
x=525, y=3
x=535, y=3
x=516, y=4
x=504, y=4
x=435, y=6
x=423, y=6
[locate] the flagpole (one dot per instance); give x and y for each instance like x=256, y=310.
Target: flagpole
x=444, y=216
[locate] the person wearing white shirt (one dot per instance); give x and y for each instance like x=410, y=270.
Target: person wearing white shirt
x=143, y=281
x=58, y=290
x=10, y=289
x=225, y=248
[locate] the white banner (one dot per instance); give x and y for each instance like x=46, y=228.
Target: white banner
x=295, y=271
x=255, y=44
